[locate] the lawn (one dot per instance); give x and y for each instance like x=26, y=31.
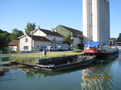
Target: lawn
x=31, y=58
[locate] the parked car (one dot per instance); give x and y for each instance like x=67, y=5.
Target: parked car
x=66, y=48
x=41, y=48
x=71, y=48
x=59, y=48
x=46, y=48
x=55, y=48
x=51, y=48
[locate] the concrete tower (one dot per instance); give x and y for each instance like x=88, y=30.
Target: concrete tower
x=96, y=21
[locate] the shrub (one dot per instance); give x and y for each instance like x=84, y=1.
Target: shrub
x=81, y=46
x=77, y=50
x=77, y=47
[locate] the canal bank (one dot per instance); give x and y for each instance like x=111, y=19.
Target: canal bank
x=70, y=79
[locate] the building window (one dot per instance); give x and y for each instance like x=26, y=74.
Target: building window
x=54, y=39
x=26, y=40
x=26, y=47
x=37, y=46
x=74, y=35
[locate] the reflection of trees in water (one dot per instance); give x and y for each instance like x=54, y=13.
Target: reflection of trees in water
x=100, y=83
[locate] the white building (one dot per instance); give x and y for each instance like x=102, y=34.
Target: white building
x=96, y=21
x=39, y=37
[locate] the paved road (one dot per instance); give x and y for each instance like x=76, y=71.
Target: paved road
x=41, y=52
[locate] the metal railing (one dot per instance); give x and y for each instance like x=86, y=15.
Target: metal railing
x=1, y=59
x=19, y=56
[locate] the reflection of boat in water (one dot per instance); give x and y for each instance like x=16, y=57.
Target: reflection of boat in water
x=44, y=73
x=86, y=84
x=54, y=64
x=119, y=47
x=99, y=83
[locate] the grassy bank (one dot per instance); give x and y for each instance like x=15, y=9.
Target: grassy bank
x=31, y=58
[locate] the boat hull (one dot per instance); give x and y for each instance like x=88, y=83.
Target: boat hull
x=106, y=55
x=76, y=63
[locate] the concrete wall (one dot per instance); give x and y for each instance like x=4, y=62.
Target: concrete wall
x=97, y=26
x=87, y=26
x=23, y=43
x=76, y=41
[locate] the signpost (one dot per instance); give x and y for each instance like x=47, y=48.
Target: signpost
x=44, y=53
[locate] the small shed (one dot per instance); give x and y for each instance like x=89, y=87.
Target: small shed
x=13, y=45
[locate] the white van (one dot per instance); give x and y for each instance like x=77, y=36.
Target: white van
x=50, y=48
x=46, y=48
x=59, y=48
x=65, y=48
x=55, y=48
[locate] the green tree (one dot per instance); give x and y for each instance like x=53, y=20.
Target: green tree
x=68, y=40
x=29, y=27
x=15, y=34
x=81, y=46
x=4, y=39
x=119, y=38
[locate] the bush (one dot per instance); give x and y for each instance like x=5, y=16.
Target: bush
x=81, y=46
x=77, y=47
x=77, y=50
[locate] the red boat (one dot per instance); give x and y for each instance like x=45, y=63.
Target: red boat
x=101, y=50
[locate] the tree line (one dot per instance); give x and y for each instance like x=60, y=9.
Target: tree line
x=6, y=37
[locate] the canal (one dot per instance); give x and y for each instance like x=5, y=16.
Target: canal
x=102, y=76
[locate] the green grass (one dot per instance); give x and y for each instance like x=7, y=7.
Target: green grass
x=31, y=58
x=77, y=50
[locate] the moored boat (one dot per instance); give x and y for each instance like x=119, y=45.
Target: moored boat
x=66, y=62
x=101, y=50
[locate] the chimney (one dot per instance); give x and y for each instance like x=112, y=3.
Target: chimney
x=52, y=30
x=55, y=30
x=38, y=27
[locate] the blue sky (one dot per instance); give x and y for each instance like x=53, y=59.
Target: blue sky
x=50, y=13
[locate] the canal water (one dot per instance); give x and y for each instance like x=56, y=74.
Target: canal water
x=101, y=76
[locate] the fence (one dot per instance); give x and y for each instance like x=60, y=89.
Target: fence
x=26, y=56
x=1, y=60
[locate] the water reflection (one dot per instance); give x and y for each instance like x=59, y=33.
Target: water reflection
x=102, y=82
x=73, y=77
x=39, y=72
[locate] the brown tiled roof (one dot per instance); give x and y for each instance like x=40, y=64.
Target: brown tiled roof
x=73, y=30
x=39, y=38
x=48, y=32
x=14, y=43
